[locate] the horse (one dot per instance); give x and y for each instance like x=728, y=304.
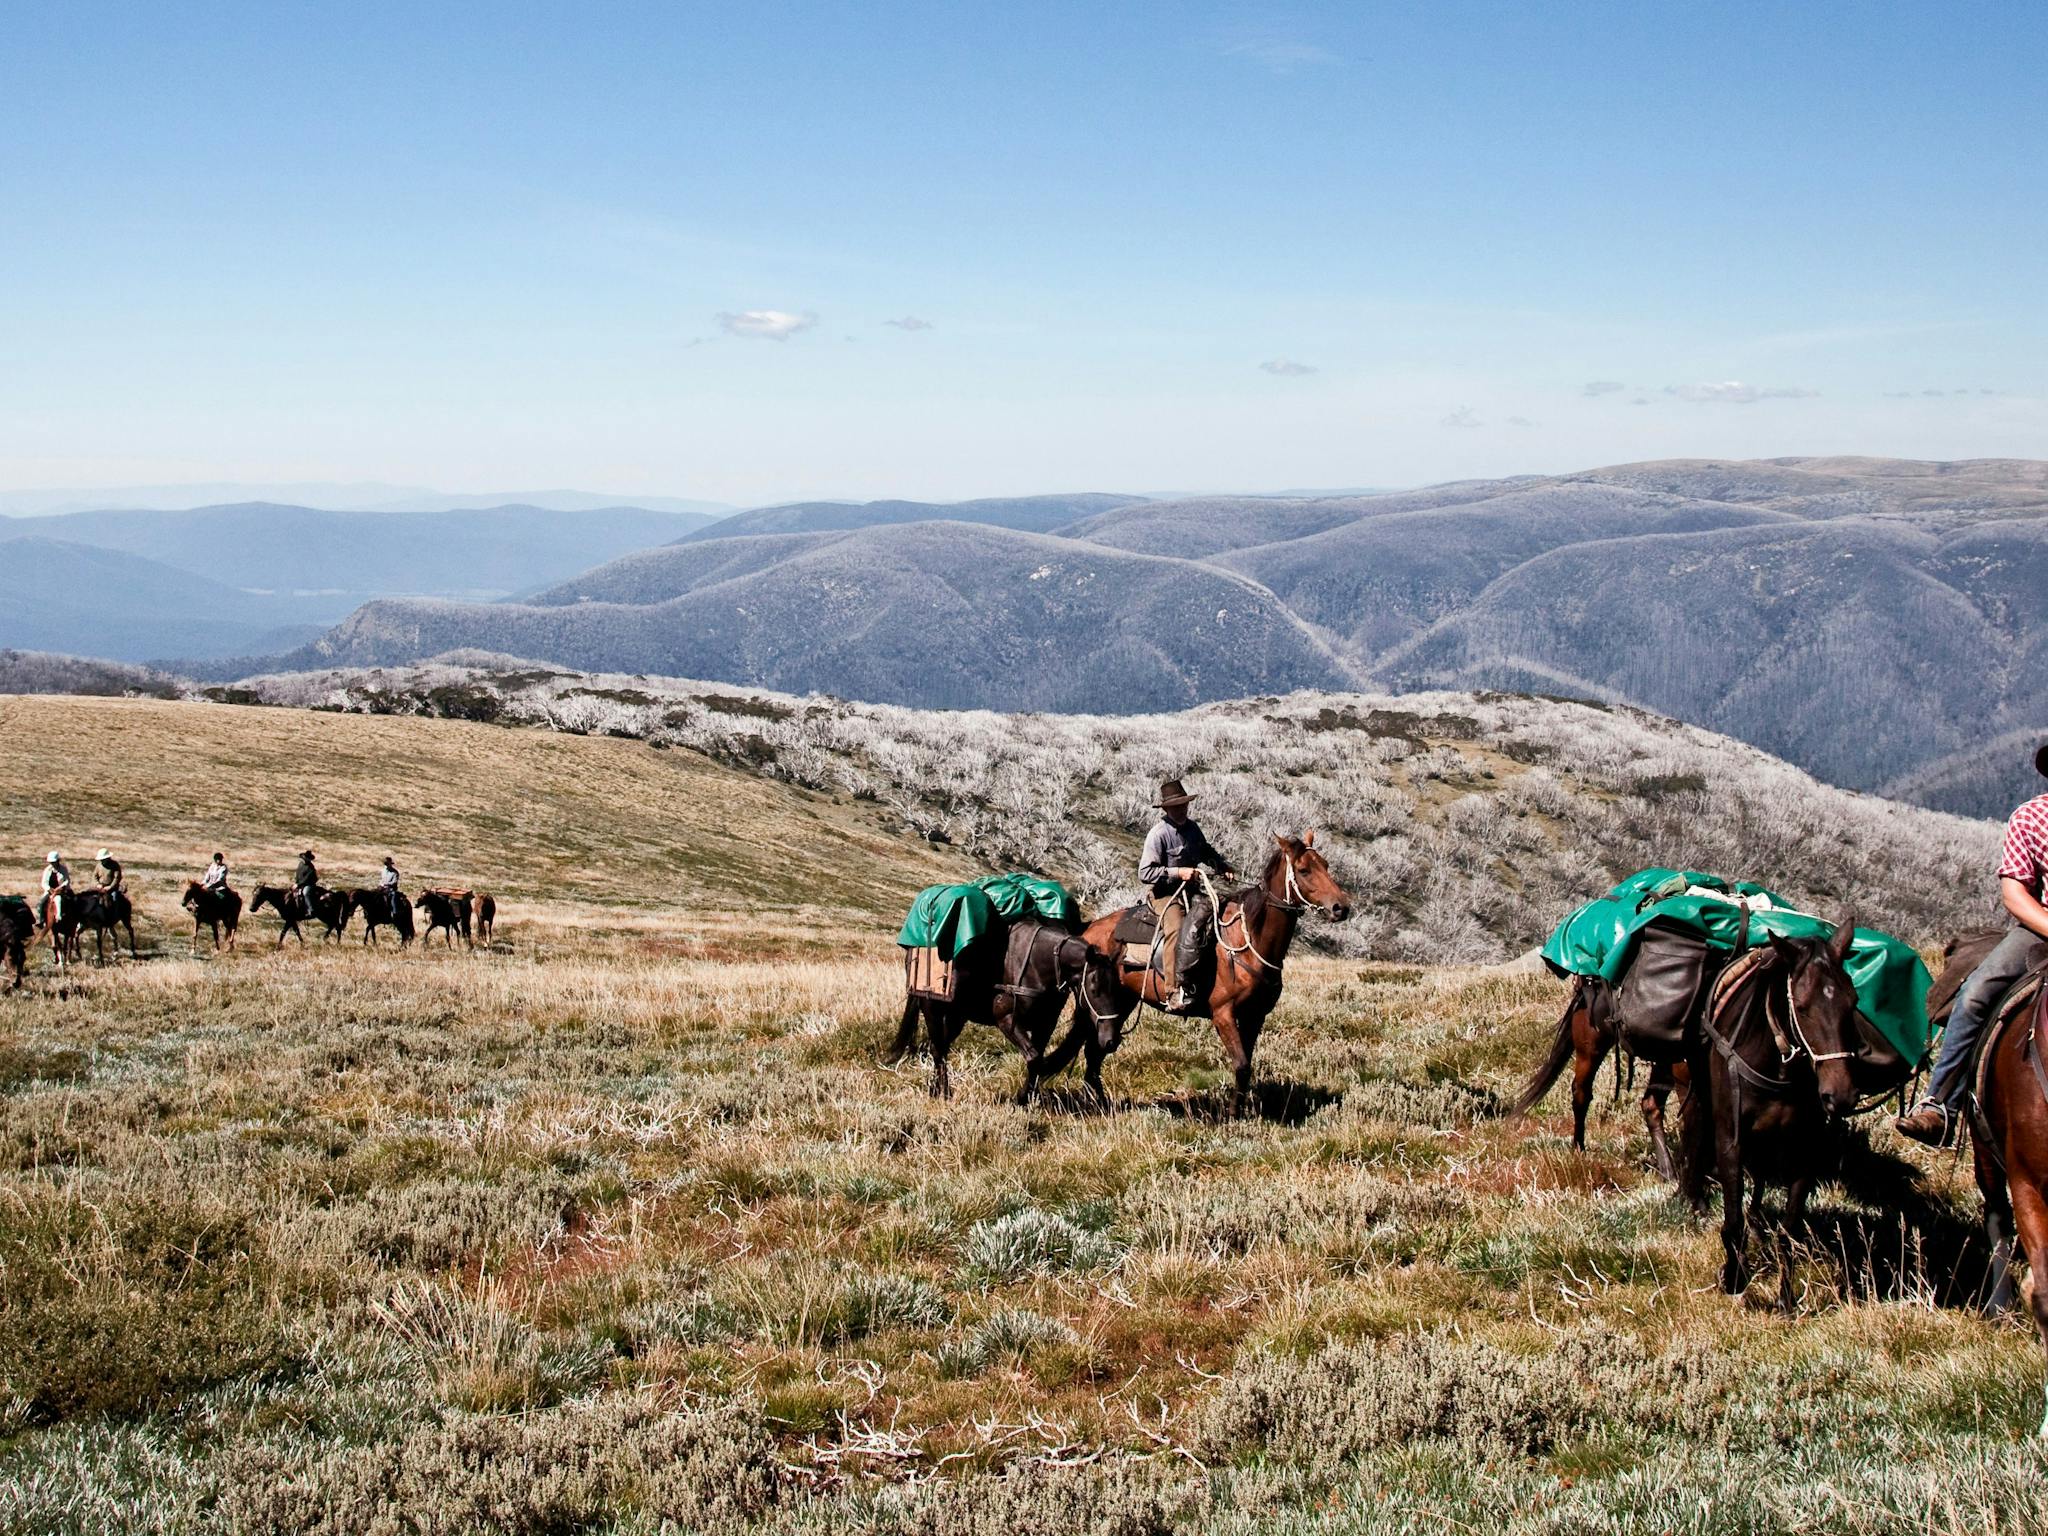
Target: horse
x=216, y=909
x=998, y=990
x=483, y=907
x=17, y=926
x=380, y=911
x=448, y=913
x=1586, y=1032
x=1246, y=977
x=1770, y=1084
x=2009, y=1142
x=331, y=908
x=101, y=911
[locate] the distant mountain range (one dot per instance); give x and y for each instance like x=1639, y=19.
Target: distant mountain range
x=256, y=578
x=1876, y=621
x=328, y=496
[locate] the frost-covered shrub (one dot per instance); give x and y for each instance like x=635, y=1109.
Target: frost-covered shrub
x=1032, y=1241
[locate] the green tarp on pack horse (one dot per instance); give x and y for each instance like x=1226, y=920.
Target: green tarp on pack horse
x=1596, y=940
x=951, y=917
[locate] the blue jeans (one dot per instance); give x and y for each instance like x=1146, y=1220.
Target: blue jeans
x=2016, y=954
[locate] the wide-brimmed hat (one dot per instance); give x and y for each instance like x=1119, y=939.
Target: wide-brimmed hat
x=307, y=854
x=103, y=854
x=1170, y=794
x=2041, y=760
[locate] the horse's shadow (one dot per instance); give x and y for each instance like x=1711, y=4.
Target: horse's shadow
x=1277, y=1101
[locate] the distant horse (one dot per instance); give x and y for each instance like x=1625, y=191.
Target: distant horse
x=448, y=913
x=1021, y=992
x=381, y=911
x=483, y=907
x=1770, y=1083
x=17, y=925
x=1254, y=928
x=2009, y=1140
x=1586, y=1032
x=330, y=908
x=101, y=911
x=216, y=909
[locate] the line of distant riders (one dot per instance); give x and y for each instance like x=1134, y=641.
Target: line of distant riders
x=65, y=911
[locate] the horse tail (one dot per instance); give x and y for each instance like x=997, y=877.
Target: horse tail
x=906, y=1032
x=1561, y=1046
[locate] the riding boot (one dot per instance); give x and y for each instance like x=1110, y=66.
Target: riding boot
x=1189, y=948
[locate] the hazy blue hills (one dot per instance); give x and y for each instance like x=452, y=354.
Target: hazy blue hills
x=1027, y=514
x=948, y=615
x=83, y=601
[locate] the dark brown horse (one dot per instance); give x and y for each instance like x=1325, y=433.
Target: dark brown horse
x=17, y=926
x=1020, y=988
x=1586, y=1032
x=448, y=913
x=483, y=908
x=215, y=909
x=1770, y=1083
x=380, y=911
x=102, y=912
x=330, y=908
x=2009, y=1140
x=1254, y=929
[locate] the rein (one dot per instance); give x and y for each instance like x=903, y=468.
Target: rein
x=1293, y=901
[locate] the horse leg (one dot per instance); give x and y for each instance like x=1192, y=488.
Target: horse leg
x=2030, y=1215
x=1998, y=1227
x=906, y=1034
x=1734, y=1236
x=1655, y=1096
x=942, y=1026
x=1791, y=1233
x=1092, y=1073
x=1589, y=1049
x=1240, y=1059
x=129, y=925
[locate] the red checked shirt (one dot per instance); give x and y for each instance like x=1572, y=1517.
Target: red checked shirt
x=2026, y=846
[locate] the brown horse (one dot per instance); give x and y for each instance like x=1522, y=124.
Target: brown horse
x=1770, y=1083
x=1254, y=928
x=212, y=909
x=2009, y=1141
x=331, y=908
x=483, y=908
x=17, y=926
x=1586, y=1032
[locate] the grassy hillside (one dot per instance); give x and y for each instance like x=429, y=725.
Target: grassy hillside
x=572, y=822
x=605, y=1232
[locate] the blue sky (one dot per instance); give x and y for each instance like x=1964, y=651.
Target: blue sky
x=658, y=248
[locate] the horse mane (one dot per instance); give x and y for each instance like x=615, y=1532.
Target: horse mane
x=1252, y=899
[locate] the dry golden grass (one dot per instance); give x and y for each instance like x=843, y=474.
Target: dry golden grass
x=623, y=1227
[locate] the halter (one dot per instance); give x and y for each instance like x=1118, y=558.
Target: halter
x=1293, y=901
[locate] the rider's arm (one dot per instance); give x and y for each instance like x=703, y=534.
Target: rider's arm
x=1152, y=867
x=2025, y=907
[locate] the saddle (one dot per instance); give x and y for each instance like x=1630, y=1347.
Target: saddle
x=2015, y=1005
x=1657, y=1000
x=1149, y=933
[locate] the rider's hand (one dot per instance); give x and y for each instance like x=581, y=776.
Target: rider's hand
x=1183, y=872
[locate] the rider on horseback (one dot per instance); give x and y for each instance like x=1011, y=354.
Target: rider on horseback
x=306, y=882
x=56, y=886
x=2021, y=871
x=106, y=874
x=387, y=882
x=216, y=877
x=1175, y=849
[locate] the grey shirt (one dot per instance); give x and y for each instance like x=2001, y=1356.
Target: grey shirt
x=1170, y=847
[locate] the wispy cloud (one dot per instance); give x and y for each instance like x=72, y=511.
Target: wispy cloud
x=1286, y=368
x=910, y=323
x=1733, y=392
x=1520, y=421
x=1463, y=416
x=765, y=324
x=1275, y=51
x=1599, y=387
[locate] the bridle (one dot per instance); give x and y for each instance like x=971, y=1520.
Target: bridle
x=1293, y=900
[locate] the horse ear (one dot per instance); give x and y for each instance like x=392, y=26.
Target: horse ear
x=1784, y=947
x=1845, y=935
x=1308, y=838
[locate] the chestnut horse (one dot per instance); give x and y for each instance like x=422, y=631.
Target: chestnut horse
x=1770, y=1084
x=330, y=907
x=1254, y=928
x=212, y=909
x=1586, y=1032
x=2009, y=1140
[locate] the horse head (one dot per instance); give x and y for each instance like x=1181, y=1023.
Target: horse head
x=1821, y=1009
x=1306, y=878
x=192, y=896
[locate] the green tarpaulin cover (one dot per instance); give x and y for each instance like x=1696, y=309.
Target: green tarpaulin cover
x=1891, y=982
x=951, y=917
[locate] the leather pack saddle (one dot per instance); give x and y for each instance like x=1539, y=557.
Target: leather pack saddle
x=1149, y=933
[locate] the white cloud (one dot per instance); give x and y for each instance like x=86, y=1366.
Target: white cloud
x=1733, y=392
x=1279, y=54
x=1599, y=387
x=765, y=324
x=1286, y=368
x=1463, y=416
x=910, y=323
x=1520, y=421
